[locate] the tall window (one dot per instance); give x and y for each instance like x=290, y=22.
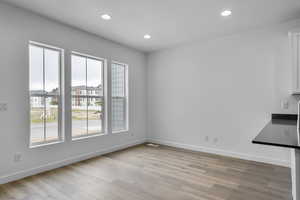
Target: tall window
x=88, y=113
x=45, y=93
x=119, y=81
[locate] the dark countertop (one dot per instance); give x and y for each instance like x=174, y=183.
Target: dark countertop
x=280, y=131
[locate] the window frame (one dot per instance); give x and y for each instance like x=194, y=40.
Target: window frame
x=60, y=106
x=126, y=106
x=294, y=37
x=104, y=87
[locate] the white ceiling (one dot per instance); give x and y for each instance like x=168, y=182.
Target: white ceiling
x=169, y=22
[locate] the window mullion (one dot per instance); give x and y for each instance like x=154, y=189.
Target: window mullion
x=59, y=99
x=44, y=95
x=103, y=103
x=87, y=98
x=103, y=113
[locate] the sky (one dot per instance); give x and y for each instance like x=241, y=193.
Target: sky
x=81, y=68
x=80, y=71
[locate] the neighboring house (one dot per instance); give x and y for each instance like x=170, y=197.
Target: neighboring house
x=37, y=99
x=80, y=96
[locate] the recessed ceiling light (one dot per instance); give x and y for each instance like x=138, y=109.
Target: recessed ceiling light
x=147, y=37
x=226, y=13
x=106, y=17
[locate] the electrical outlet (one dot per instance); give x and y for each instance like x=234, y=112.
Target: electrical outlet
x=3, y=107
x=206, y=138
x=285, y=104
x=17, y=157
x=216, y=140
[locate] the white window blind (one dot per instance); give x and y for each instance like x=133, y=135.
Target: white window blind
x=119, y=102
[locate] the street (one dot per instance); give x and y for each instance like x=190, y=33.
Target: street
x=78, y=128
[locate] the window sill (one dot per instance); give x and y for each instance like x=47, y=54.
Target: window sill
x=88, y=136
x=33, y=146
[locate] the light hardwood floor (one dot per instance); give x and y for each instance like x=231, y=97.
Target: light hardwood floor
x=164, y=173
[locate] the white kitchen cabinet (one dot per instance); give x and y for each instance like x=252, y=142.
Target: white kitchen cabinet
x=295, y=56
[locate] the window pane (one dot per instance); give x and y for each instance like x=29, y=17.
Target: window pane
x=78, y=75
x=118, y=80
x=37, y=120
x=118, y=114
x=119, y=97
x=94, y=77
x=52, y=64
x=51, y=117
x=36, y=93
x=95, y=115
x=36, y=69
x=79, y=103
x=79, y=116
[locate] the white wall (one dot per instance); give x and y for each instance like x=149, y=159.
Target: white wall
x=225, y=89
x=17, y=28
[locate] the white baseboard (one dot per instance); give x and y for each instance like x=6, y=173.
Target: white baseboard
x=284, y=163
x=58, y=164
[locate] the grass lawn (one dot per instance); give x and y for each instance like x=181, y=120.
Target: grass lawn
x=52, y=115
x=36, y=115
